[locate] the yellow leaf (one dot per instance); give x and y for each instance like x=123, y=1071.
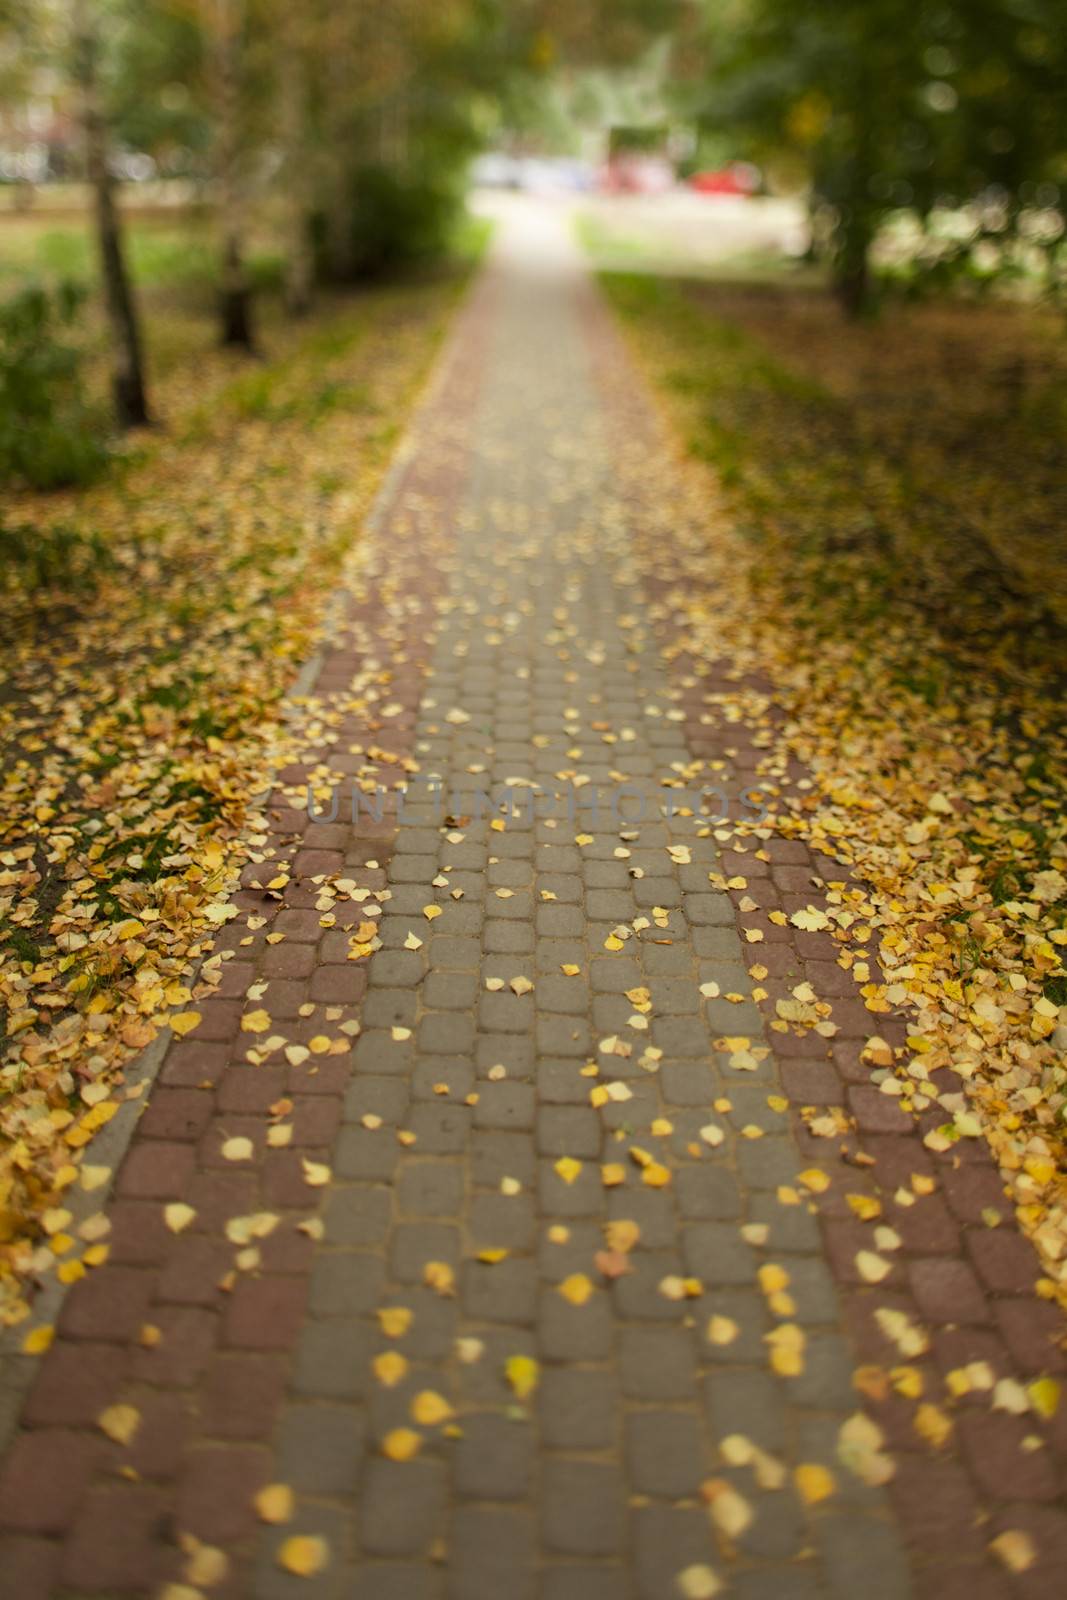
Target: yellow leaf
x=871, y=1267
x=390, y=1367
x=655, y=1175
x=814, y=1179
x=577, y=1289
x=787, y=1343
x=1044, y=1397
x=255, y=1021
x=178, y=1216
x=401, y=1444
x=729, y=1510
x=38, y=1340
x=185, y=1022
x=316, y=1173
x=697, y=1583
x=395, y=1321
x=859, y=1448
x=612, y=1175
x=814, y=1483
x=932, y=1425
x=237, y=1149
x=119, y=1422
x=621, y=1234
x=304, y=1554
x=274, y=1503
x=522, y=1373
x=439, y=1275
x=568, y=1168
x=722, y=1330
x=430, y=1408
x=430, y=912
x=493, y=1255
x=773, y=1278
x=206, y=1565
x=1014, y=1549
x=811, y=919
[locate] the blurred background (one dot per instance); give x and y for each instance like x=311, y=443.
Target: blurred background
x=175, y=173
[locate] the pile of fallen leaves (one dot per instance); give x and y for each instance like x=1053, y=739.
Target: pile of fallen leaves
x=140, y=707
x=911, y=657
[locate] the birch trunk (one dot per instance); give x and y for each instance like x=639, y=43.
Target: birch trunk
x=127, y=381
x=236, y=305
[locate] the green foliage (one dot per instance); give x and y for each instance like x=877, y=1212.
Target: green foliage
x=50, y=558
x=49, y=435
x=886, y=105
x=399, y=217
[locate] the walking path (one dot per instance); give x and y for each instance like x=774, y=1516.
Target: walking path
x=514, y=1245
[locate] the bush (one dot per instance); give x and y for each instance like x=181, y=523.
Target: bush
x=49, y=435
x=34, y=559
x=397, y=219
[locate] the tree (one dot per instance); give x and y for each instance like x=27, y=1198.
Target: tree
x=889, y=104
x=225, y=21
x=128, y=383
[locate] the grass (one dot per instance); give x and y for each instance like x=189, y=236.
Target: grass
x=920, y=461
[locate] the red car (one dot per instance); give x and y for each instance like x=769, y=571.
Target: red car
x=739, y=177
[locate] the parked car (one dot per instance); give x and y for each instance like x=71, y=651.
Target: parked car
x=736, y=178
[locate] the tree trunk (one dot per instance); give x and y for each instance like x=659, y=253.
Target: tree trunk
x=852, y=280
x=298, y=262
x=337, y=197
x=128, y=386
x=236, y=299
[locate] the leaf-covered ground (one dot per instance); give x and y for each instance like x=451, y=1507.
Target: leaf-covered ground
x=889, y=569
x=151, y=627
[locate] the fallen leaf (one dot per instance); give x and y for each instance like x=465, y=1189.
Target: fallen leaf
x=119, y=1422
x=576, y=1289
x=178, y=1216
x=275, y=1503
x=814, y=1483
x=304, y=1554
x=523, y=1374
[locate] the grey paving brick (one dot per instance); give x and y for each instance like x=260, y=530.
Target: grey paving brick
x=657, y=1363
x=429, y=1188
x=345, y=1283
x=493, y=1553
x=401, y=1506
x=667, y=1540
x=321, y=1447
x=494, y=1458
x=664, y=1453
x=583, y=1508
x=578, y=1408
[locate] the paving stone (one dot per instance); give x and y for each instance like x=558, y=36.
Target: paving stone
x=664, y=1453
x=668, y=1540
x=401, y=1506
x=583, y=1508
x=494, y=1459
x=657, y=1363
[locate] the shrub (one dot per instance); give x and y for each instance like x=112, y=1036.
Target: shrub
x=398, y=218
x=49, y=435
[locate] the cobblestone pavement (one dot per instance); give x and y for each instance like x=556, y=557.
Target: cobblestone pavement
x=556, y=1286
